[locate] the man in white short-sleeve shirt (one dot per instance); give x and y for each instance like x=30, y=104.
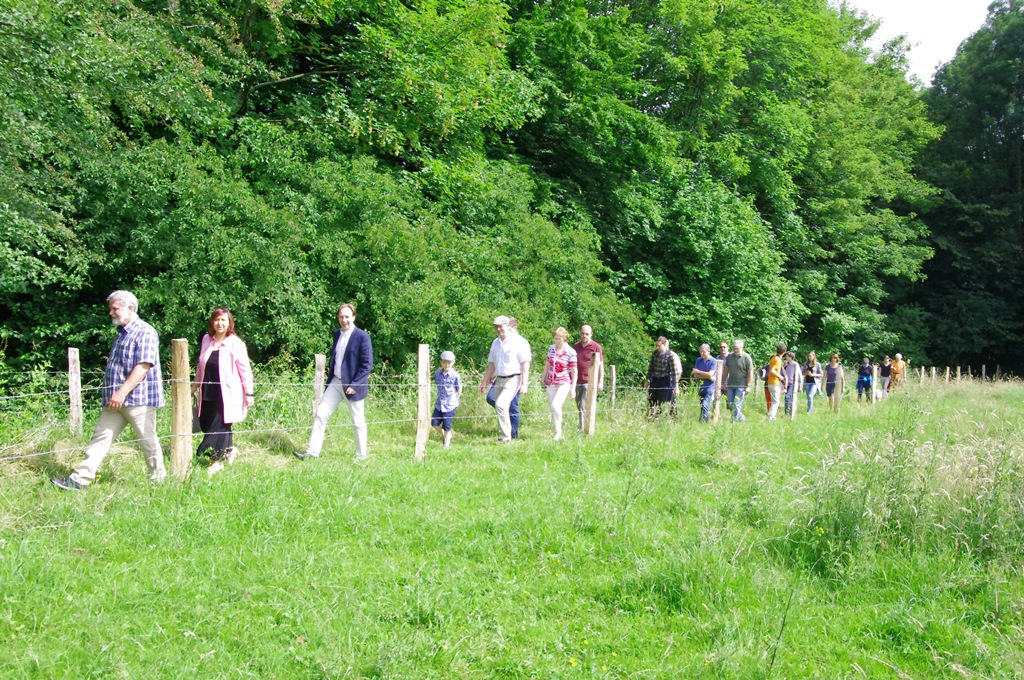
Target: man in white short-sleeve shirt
x=508, y=366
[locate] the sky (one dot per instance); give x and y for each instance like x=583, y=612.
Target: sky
x=935, y=28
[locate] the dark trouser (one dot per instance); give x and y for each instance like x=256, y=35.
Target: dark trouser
x=513, y=411
x=707, y=397
x=661, y=390
x=211, y=421
x=863, y=387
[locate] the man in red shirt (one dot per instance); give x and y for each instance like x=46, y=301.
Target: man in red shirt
x=586, y=348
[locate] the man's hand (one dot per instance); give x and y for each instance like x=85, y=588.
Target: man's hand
x=350, y=391
x=117, y=399
x=522, y=389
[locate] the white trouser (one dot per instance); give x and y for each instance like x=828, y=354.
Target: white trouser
x=775, y=391
x=504, y=392
x=556, y=397
x=333, y=396
x=110, y=424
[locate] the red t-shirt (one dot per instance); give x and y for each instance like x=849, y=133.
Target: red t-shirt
x=584, y=356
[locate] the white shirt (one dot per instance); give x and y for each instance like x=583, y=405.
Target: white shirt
x=339, y=352
x=508, y=356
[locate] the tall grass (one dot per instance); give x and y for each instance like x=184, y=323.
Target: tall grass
x=885, y=542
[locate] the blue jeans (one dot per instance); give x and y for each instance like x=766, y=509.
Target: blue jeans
x=789, y=399
x=810, y=387
x=734, y=402
x=707, y=396
x=513, y=411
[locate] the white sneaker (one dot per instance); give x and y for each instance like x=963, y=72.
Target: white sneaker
x=232, y=452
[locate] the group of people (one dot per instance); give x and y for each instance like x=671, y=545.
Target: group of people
x=733, y=374
x=223, y=386
x=566, y=371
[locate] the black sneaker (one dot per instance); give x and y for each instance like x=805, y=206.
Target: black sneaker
x=302, y=455
x=66, y=483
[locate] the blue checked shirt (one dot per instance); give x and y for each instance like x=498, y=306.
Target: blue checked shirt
x=136, y=343
x=447, y=390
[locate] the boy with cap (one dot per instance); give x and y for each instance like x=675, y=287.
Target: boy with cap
x=449, y=390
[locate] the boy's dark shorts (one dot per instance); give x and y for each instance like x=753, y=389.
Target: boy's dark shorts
x=442, y=418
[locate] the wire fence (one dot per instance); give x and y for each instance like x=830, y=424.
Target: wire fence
x=631, y=394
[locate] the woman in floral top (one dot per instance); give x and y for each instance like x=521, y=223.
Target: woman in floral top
x=559, y=376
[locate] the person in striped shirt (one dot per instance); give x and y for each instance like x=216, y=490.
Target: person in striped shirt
x=132, y=392
x=559, y=376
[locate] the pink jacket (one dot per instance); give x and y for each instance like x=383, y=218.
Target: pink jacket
x=235, y=375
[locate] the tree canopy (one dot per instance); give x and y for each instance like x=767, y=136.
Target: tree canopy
x=700, y=171
x=973, y=300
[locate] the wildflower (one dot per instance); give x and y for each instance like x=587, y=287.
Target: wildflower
x=572, y=661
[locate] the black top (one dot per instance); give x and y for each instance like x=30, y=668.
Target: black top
x=211, y=378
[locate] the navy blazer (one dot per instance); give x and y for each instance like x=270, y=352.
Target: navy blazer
x=355, y=365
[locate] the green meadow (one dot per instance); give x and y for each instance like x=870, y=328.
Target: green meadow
x=886, y=541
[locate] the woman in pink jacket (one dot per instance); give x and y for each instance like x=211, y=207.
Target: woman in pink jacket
x=224, y=380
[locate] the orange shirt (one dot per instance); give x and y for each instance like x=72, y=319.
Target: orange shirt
x=774, y=364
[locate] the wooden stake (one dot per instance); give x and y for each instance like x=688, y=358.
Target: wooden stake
x=874, y=384
x=947, y=374
x=933, y=375
x=958, y=374
x=181, y=409
x=74, y=392
x=423, y=401
x=319, y=371
x=998, y=372
x=922, y=374
x=716, y=405
x=798, y=389
x=613, y=385
x=983, y=371
x=590, y=408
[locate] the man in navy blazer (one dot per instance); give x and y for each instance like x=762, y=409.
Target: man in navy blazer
x=348, y=374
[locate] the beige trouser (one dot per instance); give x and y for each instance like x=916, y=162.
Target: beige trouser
x=110, y=424
x=504, y=392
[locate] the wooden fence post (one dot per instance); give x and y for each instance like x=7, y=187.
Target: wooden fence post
x=716, y=405
x=797, y=389
x=423, y=401
x=983, y=371
x=613, y=385
x=922, y=374
x=958, y=374
x=947, y=374
x=874, y=384
x=74, y=392
x=998, y=372
x=181, y=409
x=933, y=375
x=590, y=410
x=319, y=371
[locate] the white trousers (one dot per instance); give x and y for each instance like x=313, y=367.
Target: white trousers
x=775, y=391
x=556, y=397
x=504, y=392
x=110, y=424
x=333, y=396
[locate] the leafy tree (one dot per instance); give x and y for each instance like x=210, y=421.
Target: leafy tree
x=973, y=299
